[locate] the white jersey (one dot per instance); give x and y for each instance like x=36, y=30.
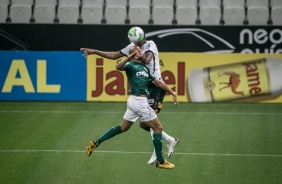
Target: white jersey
x=154, y=64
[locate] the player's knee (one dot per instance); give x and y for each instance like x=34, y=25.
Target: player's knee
x=147, y=128
x=124, y=129
x=158, y=129
x=144, y=126
x=125, y=126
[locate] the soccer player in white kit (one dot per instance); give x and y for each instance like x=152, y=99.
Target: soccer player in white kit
x=156, y=96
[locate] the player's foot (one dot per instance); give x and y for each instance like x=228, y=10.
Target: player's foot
x=153, y=158
x=171, y=147
x=165, y=165
x=91, y=146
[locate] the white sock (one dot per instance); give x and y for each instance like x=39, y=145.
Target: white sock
x=165, y=136
x=152, y=132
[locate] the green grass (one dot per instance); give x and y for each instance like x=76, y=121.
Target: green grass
x=44, y=142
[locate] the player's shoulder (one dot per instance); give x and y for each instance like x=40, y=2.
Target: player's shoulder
x=129, y=46
x=125, y=50
x=150, y=42
x=151, y=46
x=127, y=65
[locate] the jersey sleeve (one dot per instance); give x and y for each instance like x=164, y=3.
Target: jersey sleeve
x=152, y=47
x=125, y=51
x=126, y=66
x=151, y=76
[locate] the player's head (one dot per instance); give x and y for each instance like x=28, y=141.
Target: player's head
x=138, y=55
x=136, y=35
x=135, y=49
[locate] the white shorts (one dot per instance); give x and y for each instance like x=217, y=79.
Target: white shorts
x=138, y=107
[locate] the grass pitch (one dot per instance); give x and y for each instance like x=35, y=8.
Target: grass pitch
x=44, y=142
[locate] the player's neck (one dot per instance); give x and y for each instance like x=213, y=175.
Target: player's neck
x=142, y=43
x=135, y=60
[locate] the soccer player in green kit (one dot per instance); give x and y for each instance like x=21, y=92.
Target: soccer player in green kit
x=137, y=105
x=151, y=59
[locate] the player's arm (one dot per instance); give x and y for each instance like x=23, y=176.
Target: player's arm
x=167, y=89
x=108, y=55
x=120, y=65
x=147, y=57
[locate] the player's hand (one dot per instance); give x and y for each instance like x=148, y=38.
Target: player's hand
x=175, y=99
x=132, y=55
x=87, y=51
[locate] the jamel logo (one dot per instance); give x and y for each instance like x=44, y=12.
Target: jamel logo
x=234, y=81
x=112, y=82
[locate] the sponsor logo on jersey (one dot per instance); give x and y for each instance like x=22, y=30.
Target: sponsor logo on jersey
x=142, y=74
x=151, y=101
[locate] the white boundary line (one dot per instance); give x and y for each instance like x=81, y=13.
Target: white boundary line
x=119, y=112
x=125, y=152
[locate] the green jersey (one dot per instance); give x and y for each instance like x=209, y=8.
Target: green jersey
x=138, y=76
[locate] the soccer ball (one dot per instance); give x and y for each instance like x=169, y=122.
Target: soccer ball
x=135, y=34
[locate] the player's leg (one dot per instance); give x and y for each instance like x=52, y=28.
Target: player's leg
x=127, y=121
x=171, y=143
x=148, y=115
x=155, y=100
x=157, y=141
x=125, y=125
x=145, y=126
x=157, y=138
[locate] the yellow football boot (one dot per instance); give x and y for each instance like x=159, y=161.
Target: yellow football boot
x=91, y=146
x=165, y=165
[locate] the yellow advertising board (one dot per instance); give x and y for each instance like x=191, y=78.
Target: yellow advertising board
x=197, y=77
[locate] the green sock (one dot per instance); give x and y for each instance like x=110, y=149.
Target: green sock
x=157, y=141
x=109, y=134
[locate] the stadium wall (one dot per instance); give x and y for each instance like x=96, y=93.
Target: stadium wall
x=62, y=37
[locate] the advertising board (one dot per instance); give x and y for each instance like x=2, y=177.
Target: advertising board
x=42, y=76
x=257, y=83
